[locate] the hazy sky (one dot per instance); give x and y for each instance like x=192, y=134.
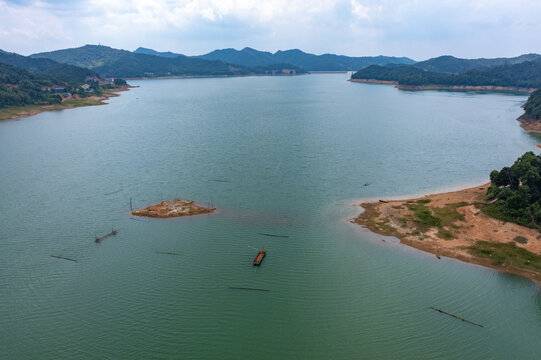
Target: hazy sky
x=415, y=28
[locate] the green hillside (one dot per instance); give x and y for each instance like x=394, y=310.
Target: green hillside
x=20, y=87
x=533, y=105
x=451, y=64
x=67, y=74
x=109, y=62
x=525, y=74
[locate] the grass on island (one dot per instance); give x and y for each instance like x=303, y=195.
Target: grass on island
x=443, y=218
x=496, y=211
x=506, y=254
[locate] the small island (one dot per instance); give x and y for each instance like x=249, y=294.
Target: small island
x=497, y=225
x=173, y=208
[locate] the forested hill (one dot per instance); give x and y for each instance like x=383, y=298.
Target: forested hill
x=451, y=64
x=24, y=80
x=110, y=62
x=516, y=192
x=533, y=105
x=296, y=57
x=67, y=74
x=20, y=87
x=525, y=75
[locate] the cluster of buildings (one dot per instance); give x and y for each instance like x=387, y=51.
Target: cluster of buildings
x=88, y=86
x=54, y=88
x=281, y=72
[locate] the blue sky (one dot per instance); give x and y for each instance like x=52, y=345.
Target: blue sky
x=418, y=29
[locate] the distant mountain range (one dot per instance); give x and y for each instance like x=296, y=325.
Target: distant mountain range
x=253, y=58
x=90, y=60
x=110, y=62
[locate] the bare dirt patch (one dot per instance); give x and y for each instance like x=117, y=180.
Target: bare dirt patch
x=453, y=225
x=173, y=208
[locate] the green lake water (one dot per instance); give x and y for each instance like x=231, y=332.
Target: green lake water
x=276, y=155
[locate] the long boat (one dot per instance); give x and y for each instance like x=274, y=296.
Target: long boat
x=113, y=232
x=259, y=258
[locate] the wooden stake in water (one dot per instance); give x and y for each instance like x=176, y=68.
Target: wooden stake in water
x=456, y=317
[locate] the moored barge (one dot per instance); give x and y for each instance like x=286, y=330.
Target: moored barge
x=259, y=258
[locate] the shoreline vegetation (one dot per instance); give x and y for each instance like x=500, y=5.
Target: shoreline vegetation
x=453, y=224
x=447, y=87
x=17, y=112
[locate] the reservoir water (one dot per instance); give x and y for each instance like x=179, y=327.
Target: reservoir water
x=275, y=155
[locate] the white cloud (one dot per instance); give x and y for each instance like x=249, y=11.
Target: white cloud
x=32, y=22
x=417, y=28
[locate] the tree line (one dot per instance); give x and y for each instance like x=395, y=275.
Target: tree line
x=526, y=74
x=515, y=192
x=533, y=105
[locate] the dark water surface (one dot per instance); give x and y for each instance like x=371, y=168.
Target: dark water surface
x=277, y=155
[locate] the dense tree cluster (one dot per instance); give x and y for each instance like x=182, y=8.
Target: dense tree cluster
x=516, y=192
x=533, y=105
x=451, y=64
x=525, y=74
x=28, y=81
x=67, y=74
x=19, y=87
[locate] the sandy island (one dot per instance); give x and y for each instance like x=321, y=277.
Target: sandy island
x=70, y=102
x=173, y=208
x=453, y=225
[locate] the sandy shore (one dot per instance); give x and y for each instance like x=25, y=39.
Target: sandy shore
x=173, y=208
x=15, y=112
x=452, y=224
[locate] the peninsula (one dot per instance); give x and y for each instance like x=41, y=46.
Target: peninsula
x=494, y=225
x=68, y=102
x=29, y=86
x=519, y=74
x=173, y=208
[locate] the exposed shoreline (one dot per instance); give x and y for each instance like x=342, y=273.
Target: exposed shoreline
x=208, y=76
x=530, y=124
x=464, y=226
x=446, y=87
x=17, y=112
x=374, y=81
x=466, y=88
